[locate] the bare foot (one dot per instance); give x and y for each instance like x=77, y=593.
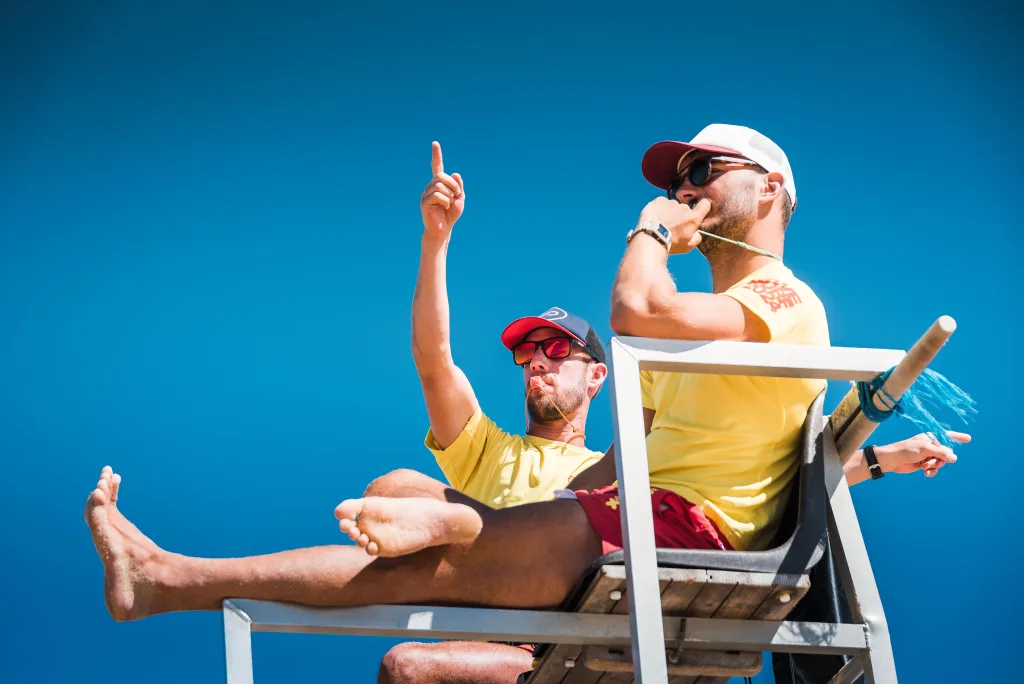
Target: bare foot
x=126, y=552
x=396, y=527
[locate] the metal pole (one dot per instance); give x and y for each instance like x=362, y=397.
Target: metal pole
x=854, y=568
x=642, y=587
x=237, y=644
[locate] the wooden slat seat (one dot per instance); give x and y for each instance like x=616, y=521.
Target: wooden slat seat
x=684, y=593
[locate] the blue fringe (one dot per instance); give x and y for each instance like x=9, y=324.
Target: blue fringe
x=930, y=388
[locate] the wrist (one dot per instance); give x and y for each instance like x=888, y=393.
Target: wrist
x=873, y=463
x=433, y=240
x=652, y=232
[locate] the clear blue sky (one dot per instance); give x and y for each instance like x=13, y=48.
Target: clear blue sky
x=209, y=232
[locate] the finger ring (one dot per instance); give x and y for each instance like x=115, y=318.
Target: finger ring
x=932, y=437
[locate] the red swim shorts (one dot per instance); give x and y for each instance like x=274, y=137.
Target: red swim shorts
x=678, y=524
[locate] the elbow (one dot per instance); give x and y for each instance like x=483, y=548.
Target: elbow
x=647, y=317
x=628, y=315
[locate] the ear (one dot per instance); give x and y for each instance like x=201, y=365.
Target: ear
x=598, y=374
x=772, y=188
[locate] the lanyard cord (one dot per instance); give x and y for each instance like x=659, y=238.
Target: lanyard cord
x=744, y=245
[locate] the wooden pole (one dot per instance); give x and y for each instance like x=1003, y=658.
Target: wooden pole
x=850, y=427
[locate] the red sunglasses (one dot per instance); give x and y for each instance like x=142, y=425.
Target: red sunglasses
x=554, y=348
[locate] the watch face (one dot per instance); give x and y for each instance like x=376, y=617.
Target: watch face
x=664, y=232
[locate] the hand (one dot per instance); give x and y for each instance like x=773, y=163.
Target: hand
x=681, y=221
x=443, y=199
x=920, y=452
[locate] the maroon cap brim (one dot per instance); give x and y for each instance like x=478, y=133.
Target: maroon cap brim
x=661, y=159
x=517, y=330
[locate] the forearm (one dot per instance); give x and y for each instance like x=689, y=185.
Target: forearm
x=643, y=287
x=600, y=474
x=856, y=469
x=431, y=332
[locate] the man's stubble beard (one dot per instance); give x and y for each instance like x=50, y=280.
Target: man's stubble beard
x=735, y=217
x=541, y=410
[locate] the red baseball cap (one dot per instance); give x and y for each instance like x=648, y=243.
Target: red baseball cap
x=559, y=319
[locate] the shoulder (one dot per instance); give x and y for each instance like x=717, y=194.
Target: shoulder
x=789, y=306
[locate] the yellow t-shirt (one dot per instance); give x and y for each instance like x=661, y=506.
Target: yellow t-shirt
x=503, y=470
x=726, y=442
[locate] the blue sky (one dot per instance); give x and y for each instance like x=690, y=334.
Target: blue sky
x=209, y=232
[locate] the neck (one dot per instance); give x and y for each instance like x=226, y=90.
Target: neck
x=731, y=264
x=559, y=430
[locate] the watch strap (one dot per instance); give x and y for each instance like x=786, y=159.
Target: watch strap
x=655, y=230
x=873, y=466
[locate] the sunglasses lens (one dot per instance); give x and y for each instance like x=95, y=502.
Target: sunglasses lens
x=557, y=347
x=524, y=352
x=700, y=172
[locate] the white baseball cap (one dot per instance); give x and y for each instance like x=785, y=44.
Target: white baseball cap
x=661, y=161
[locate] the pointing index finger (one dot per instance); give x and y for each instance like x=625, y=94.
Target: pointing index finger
x=436, y=162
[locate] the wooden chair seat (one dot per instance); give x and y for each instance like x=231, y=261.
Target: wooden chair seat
x=684, y=593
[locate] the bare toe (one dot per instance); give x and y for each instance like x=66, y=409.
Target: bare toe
x=363, y=541
x=115, y=483
x=372, y=549
x=96, y=498
x=350, y=509
x=354, y=533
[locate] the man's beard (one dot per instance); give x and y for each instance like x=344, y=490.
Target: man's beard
x=538, y=403
x=736, y=214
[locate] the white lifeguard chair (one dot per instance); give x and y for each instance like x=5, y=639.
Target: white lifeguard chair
x=650, y=616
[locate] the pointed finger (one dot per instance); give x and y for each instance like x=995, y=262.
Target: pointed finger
x=436, y=161
x=961, y=437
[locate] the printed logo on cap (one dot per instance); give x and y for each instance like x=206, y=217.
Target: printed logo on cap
x=554, y=314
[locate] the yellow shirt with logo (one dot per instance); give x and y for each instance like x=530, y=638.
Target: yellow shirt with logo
x=727, y=443
x=502, y=470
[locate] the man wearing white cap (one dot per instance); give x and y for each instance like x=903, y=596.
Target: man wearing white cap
x=724, y=444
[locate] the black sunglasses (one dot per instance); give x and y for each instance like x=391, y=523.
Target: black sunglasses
x=700, y=171
x=553, y=347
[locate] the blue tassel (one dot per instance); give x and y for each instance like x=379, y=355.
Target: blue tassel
x=930, y=388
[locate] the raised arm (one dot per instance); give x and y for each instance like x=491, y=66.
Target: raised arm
x=449, y=396
x=645, y=302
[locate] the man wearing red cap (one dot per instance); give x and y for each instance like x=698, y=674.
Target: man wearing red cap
x=475, y=546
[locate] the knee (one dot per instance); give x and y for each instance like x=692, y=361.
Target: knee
x=393, y=483
x=406, y=663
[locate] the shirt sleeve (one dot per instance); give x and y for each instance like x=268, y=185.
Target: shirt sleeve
x=776, y=302
x=646, y=385
x=463, y=456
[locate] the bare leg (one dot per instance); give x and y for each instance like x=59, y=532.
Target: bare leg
x=397, y=527
x=528, y=556
x=453, y=662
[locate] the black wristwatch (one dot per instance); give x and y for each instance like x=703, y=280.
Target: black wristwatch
x=869, y=456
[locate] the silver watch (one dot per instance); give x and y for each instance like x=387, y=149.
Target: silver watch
x=654, y=229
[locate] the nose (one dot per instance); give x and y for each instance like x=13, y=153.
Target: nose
x=685, y=192
x=539, y=362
